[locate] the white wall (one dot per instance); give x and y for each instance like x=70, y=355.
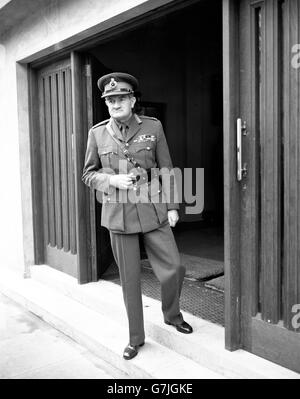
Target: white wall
x=57, y=21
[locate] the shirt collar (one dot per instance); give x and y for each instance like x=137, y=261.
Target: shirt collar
x=127, y=124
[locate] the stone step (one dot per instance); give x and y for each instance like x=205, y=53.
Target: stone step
x=101, y=335
x=205, y=346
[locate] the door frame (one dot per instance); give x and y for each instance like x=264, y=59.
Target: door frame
x=231, y=186
x=139, y=15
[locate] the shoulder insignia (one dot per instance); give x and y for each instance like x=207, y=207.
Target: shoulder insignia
x=102, y=123
x=148, y=117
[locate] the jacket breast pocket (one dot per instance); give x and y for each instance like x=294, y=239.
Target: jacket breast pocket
x=108, y=156
x=144, y=153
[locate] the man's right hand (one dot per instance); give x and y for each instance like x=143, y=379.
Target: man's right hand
x=123, y=182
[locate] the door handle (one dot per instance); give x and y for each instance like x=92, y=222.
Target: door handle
x=241, y=129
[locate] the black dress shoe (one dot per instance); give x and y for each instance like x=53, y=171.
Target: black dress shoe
x=184, y=327
x=131, y=351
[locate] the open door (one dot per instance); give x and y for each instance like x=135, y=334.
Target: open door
x=69, y=232
x=268, y=145
x=58, y=236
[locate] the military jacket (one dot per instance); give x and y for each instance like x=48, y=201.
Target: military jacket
x=129, y=211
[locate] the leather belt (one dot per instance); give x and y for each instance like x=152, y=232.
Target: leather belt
x=142, y=179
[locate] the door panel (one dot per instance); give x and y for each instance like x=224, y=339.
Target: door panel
x=62, y=110
x=270, y=206
x=58, y=191
x=291, y=132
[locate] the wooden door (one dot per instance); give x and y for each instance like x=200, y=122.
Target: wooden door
x=63, y=119
x=270, y=190
x=57, y=163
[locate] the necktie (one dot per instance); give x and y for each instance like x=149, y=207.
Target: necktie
x=123, y=131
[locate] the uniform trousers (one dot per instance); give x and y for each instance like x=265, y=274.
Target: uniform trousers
x=164, y=259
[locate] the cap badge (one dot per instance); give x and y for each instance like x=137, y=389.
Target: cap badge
x=112, y=83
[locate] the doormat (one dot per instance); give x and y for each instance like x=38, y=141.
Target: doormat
x=195, y=297
x=200, y=269
x=197, y=268
x=216, y=284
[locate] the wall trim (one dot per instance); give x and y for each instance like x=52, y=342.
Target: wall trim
x=90, y=37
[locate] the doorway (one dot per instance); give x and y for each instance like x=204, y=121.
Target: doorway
x=178, y=60
x=176, y=56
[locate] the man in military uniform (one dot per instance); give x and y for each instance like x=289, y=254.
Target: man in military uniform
x=123, y=157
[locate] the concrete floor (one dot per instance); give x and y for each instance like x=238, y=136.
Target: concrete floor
x=32, y=349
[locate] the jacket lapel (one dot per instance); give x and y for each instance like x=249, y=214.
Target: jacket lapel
x=134, y=127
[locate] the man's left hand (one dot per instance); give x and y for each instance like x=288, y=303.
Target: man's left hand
x=173, y=217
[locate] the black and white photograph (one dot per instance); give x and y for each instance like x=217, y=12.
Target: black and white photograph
x=150, y=193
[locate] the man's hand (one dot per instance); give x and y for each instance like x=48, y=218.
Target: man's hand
x=122, y=181
x=173, y=217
